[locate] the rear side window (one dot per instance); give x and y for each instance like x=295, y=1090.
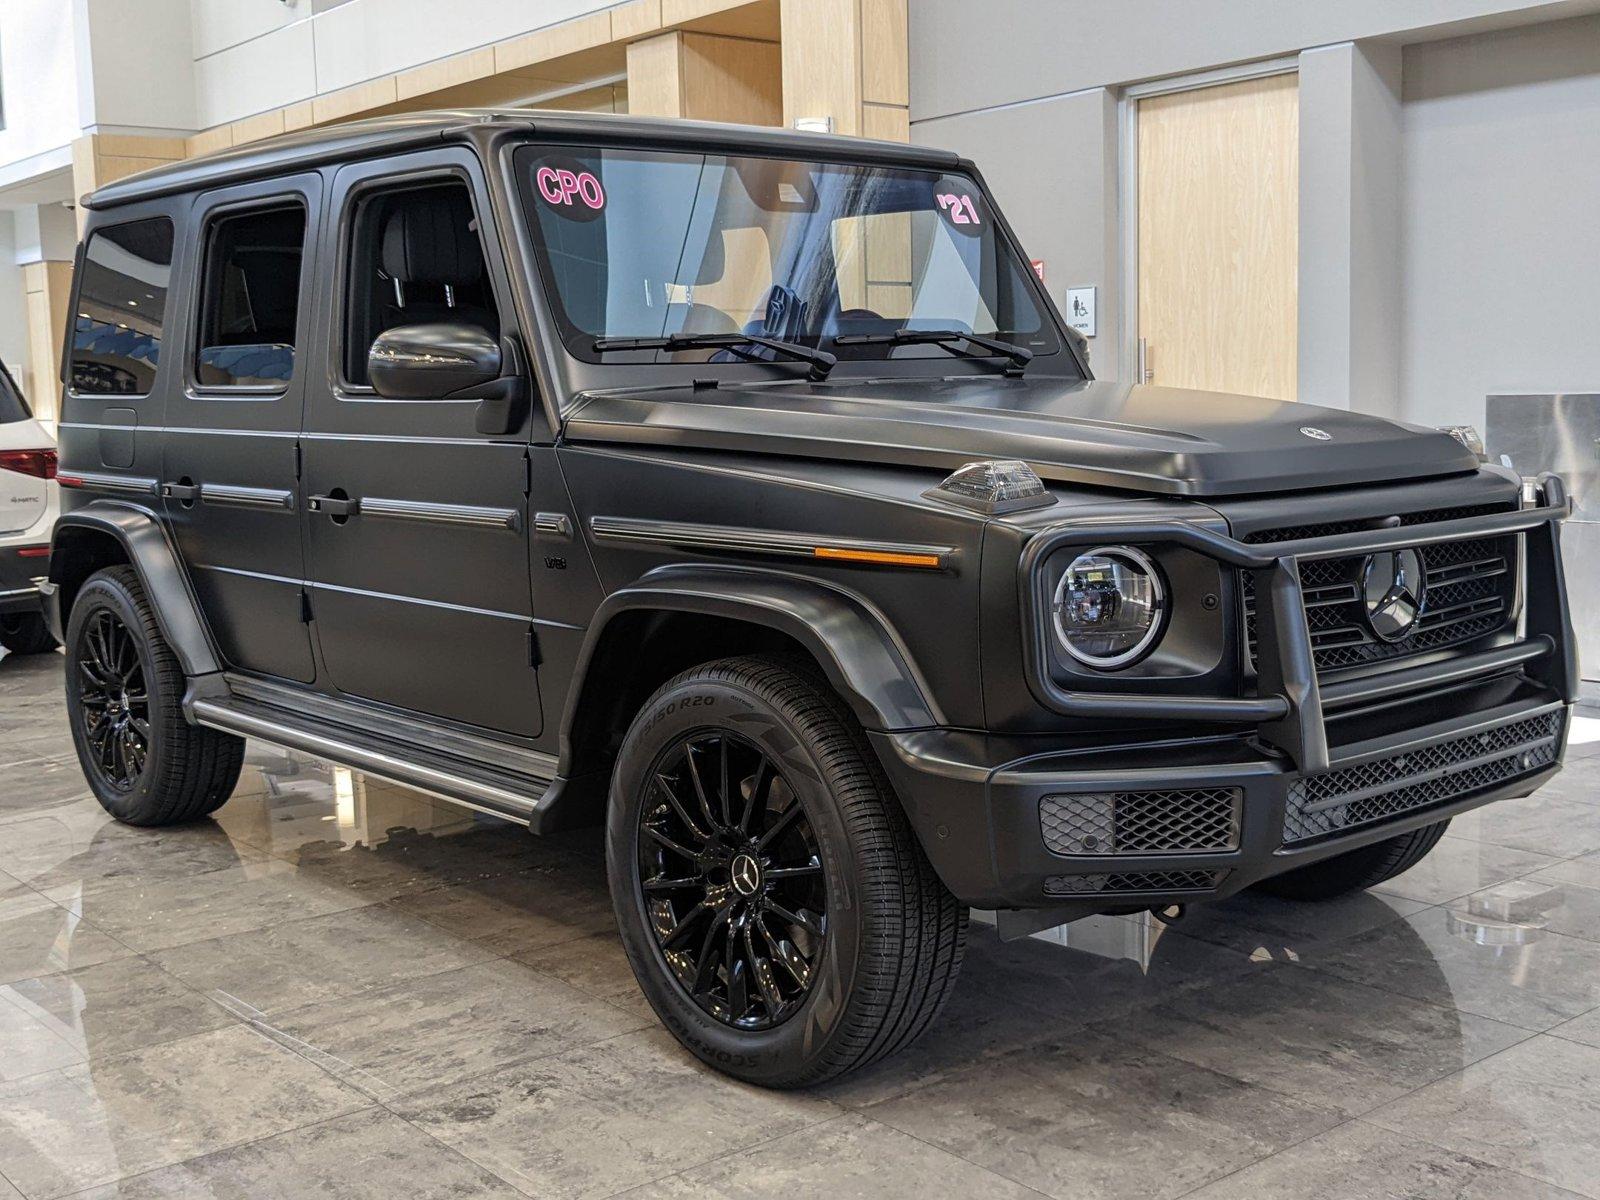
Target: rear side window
x=122, y=306
x=250, y=299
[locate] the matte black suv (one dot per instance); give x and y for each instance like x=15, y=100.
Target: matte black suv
x=744, y=491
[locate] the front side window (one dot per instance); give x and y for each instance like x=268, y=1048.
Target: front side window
x=416, y=258
x=122, y=304
x=648, y=244
x=250, y=299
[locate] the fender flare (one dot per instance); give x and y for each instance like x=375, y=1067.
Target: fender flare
x=153, y=557
x=850, y=639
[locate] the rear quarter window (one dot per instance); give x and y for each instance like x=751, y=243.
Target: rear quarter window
x=121, y=308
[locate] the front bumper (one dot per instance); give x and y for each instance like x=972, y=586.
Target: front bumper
x=1318, y=769
x=21, y=569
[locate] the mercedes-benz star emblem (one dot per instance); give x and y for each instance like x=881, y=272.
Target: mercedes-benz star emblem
x=1320, y=435
x=1392, y=586
x=745, y=874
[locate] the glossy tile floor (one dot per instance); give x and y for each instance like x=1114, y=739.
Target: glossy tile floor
x=342, y=988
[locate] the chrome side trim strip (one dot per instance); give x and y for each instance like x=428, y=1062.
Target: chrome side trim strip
x=132, y=485
x=553, y=525
x=18, y=593
x=246, y=497
x=471, y=793
x=753, y=541
x=440, y=514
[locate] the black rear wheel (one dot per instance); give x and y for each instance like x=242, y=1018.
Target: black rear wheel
x=778, y=912
x=145, y=763
x=26, y=633
x=1356, y=870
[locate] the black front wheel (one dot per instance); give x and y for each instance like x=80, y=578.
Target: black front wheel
x=145, y=763
x=778, y=912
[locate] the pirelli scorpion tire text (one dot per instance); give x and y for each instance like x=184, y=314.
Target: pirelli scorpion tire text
x=146, y=764
x=778, y=912
x=1356, y=869
x=26, y=633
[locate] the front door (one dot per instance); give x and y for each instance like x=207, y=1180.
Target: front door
x=1218, y=199
x=228, y=464
x=416, y=524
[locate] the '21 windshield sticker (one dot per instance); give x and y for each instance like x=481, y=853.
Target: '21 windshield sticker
x=960, y=210
x=571, y=189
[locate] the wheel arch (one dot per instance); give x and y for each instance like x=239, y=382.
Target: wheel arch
x=678, y=617
x=105, y=533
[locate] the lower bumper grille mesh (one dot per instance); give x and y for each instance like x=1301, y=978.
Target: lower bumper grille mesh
x=1173, y=821
x=1133, y=881
x=1392, y=787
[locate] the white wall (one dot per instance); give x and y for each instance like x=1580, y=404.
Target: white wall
x=135, y=66
x=253, y=55
x=38, y=69
x=1500, y=218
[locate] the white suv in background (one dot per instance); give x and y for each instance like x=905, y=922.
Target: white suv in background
x=28, y=508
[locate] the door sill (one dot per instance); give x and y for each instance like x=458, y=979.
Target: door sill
x=505, y=781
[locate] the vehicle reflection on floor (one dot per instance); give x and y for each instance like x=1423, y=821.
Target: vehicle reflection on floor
x=339, y=986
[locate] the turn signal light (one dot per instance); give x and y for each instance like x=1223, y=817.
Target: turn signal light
x=883, y=558
x=41, y=464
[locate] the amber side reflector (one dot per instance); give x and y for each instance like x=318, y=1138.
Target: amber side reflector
x=883, y=558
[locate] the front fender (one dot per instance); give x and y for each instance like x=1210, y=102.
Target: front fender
x=144, y=544
x=850, y=639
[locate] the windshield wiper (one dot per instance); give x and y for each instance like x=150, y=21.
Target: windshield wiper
x=956, y=341
x=821, y=361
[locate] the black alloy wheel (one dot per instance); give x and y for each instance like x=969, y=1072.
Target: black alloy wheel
x=731, y=871
x=114, y=701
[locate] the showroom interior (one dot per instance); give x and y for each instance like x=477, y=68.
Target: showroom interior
x=338, y=984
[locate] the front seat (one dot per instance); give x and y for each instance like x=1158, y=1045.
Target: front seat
x=431, y=251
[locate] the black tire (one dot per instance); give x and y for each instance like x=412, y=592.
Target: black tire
x=1356, y=870
x=893, y=936
x=26, y=633
x=184, y=772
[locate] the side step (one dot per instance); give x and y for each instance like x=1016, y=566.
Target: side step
x=529, y=797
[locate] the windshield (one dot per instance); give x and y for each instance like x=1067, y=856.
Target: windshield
x=649, y=244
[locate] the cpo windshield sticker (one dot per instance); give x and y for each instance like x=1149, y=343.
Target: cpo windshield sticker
x=570, y=189
x=958, y=206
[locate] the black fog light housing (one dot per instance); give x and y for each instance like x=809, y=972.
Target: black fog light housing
x=1108, y=607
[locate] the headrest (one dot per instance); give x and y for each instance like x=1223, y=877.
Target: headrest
x=428, y=238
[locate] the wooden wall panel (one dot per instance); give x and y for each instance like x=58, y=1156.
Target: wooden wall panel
x=1218, y=199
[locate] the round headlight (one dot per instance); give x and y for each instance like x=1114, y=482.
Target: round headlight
x=1108, y=607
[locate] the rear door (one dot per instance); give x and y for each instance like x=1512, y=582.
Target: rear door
x=230, y=459
x=416, y=524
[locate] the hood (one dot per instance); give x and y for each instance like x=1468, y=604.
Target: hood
x=1161, y=440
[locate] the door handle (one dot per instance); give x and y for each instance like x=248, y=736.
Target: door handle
x=184, y=493
x=334, y=506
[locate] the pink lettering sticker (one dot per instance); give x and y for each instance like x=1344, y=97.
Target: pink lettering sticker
x=958, y=206
x=567, y=188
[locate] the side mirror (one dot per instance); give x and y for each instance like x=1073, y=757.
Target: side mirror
x=430, y=362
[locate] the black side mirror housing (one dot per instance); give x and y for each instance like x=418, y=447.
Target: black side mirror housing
x=430, y=362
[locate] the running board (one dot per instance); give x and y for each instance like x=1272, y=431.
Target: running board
x=527, y=798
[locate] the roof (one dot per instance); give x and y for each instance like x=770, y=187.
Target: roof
x=385, y=135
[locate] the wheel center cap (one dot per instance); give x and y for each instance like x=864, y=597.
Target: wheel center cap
x=745, y=873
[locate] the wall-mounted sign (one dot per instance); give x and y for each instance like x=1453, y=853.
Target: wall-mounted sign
x=1080, y=310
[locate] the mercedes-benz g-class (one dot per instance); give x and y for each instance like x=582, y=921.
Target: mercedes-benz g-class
x=743, y=490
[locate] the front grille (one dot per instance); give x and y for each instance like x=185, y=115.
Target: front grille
x=1470, y=589
x=1133, y=881
x=1164, y=822
x=1391, y=787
